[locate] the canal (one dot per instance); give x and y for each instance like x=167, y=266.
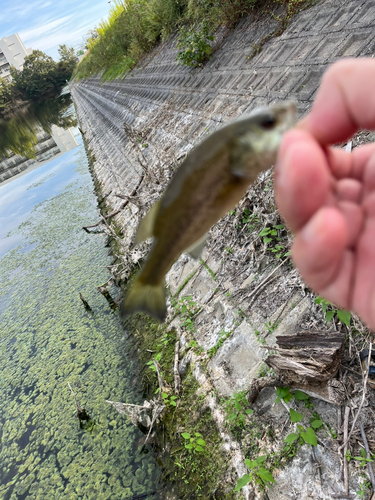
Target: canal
x=48, y=338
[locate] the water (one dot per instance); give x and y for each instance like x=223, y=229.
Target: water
x=47, y=339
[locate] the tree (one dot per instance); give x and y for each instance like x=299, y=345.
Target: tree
x=38, y=75
x=67, y=54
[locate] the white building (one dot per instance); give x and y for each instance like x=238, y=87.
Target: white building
x=12, y=53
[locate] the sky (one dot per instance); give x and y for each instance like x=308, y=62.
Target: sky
x=45, y=24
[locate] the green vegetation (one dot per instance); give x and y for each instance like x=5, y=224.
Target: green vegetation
x=134, y=27
x=40, y=77
x=258, y=473
x=49, y=339
x=261, y=467
x=195, y=464
x=236, y=409
x=272, y=239
x=330, y=311
x=193, y=44
x=223, y=337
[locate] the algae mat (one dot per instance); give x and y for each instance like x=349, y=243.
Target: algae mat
x=47, y=339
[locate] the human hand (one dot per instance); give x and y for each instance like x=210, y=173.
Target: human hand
x=327, y=196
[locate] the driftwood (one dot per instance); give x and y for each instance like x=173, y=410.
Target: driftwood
x=307, y=361
x=310, y=356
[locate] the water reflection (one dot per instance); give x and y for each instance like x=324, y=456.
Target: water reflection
x=37, y=134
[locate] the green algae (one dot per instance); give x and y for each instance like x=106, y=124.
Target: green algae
x=47, y=339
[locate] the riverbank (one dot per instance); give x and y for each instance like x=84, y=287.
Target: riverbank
x=245, y=292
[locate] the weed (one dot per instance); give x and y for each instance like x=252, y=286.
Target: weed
x=210, y=271
x=330, y=310
x=187, y=308
x=193, y=44
x=223, y=336
x=259, y=337
x=257, y=472
x=271, y=327
x=271, y=237
x=236, y=409
x=169, y=400
x=194, y=443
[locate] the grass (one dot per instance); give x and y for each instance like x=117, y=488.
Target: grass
x=135, y=27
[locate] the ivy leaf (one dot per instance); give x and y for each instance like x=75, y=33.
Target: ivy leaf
x=291, y=438
x=243, y=481
x=344, y=316
x=309, y=436
x=316, y=424
x=295, y=416
x=251, y=463
x=300, y=396
x=283, y=393
x=265, y=475
x=329, y=315
x=185, y=435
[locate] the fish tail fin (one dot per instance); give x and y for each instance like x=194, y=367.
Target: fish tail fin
x=149, y=299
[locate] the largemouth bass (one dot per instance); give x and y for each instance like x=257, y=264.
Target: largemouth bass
x=210, y=182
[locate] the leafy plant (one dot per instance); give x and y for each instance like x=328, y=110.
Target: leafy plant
x=271, y=235
x=330, y=310
x=186, y=307
x=169, y=400
x=271, y=327
x=236, y=409
x=250, y=219
x=283, y=393
x=193, y=44
x=257, y=472
x=363, y=460
x=223, y=336
x=194, y=443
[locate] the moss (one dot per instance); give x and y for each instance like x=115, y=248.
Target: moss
x=191, y=475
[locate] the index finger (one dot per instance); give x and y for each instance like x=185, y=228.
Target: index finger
x=345, y=102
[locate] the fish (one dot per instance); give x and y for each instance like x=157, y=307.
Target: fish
x=209, y=182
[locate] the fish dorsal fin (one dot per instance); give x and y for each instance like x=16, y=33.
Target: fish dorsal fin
x=146, y=226
x=196, y=248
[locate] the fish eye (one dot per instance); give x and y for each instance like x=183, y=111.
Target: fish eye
x=268, y=122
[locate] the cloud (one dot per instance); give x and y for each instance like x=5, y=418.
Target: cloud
x=35, y=32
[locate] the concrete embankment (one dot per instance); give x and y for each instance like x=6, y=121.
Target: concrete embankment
x=140, y=128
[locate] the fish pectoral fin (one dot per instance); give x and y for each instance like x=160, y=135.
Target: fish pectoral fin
x=196, y=249
x=146, y=226
x=149, y=299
